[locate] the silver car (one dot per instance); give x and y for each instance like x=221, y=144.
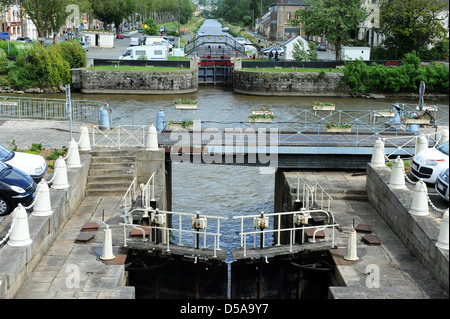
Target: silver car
x=442, y=184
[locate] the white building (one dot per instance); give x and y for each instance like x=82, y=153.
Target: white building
x=288, y=46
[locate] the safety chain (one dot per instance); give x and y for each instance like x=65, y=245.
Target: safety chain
x=9, y=232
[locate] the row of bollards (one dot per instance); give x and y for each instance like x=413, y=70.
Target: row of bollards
x=419, y=204
x=20, y=234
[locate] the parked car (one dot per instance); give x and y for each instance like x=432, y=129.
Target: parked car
x=442, y=184
x=273, y=49
x=31, y=164
x=321, y=47
x=429, y=163
x=15, y=187
x=85, y=45
x=24, y=40
x=134, y=41
x=120, y=36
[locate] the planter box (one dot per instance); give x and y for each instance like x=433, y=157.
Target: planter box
x=428, y=107
x=260, y=120
x=339, y=129
x=384, y=114
x=178, y=127
x=324, y=108
x=262, y=112
x=417, y=121
x=186, y=106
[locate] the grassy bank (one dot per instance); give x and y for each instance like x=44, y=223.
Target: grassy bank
x=298, y=70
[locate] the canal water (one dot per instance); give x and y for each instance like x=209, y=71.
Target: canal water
x=224, y=190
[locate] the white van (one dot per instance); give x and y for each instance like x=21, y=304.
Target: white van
x=134, y=41
x=159, y=40
x=145, y=52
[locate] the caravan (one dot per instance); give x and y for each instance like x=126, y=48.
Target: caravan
x=159, y=40
x=145, y=52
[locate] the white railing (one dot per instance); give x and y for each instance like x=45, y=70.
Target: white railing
x=305, y=215
x=148, y=192
x=190, y=228
x=130, y=196
x=120, y=136
x=402, y=143
x=313, y=194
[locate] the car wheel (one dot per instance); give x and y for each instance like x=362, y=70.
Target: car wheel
x=5, y=208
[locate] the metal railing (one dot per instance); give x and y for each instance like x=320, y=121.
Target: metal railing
x=130, y=196
x=314, y=194
x=305, y=214
x=187, y=226
x=50, y=109
x=119, y=136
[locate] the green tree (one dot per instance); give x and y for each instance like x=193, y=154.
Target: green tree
x=113, y=11
x=45, y=14
x=334, y=19
x=152, y=28
x=412, y=24
x=300, y=53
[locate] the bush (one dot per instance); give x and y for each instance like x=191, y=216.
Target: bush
x=404, y=78
x=73, y=53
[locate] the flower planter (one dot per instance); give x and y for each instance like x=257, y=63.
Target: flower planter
x=384, y=114
x=186, y=106
x=339, y=129
x=417, y=121
x=178, y=127
x=262, y=112
x=428, y=107
x=260, y=120
x=324, y=108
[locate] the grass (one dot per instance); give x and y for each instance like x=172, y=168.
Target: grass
x=299, y=70
x=133, y=68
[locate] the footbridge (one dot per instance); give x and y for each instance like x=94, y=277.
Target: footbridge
x=307, y=139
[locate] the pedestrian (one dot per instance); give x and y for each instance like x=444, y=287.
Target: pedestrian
x=276, y=55
x=270, y=56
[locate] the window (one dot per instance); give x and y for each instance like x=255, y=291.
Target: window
x=140, y=52
x=158, y=52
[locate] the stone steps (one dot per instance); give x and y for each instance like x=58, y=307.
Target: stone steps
x=111, y=173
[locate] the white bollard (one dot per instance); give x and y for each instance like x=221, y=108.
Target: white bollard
x=351, y=246
x=421, y=144
x=73, y=159
x=151, y=143
x=60, y=179
x=419, y=205
x=42, y=206
x=378, y=154
x=443, y=232
x=20, y=234
x=107, y=245
x=84, y=144
x=397, y=180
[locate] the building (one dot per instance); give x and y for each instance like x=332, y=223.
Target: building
x=288, y=46
x=12, y=21
x=282, y=12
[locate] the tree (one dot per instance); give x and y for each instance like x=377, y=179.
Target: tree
x=300, y=53
x=412, y=24
x=334, y=19
x=151, y=27
x=113, y=11
x=45, y=14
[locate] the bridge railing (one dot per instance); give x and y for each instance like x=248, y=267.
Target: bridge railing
x=50, y=109
x=299, y=220
x=120, y=136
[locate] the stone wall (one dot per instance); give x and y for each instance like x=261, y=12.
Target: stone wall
x=17, y=263
x=289, y=83
x=138, y=82
x=418, y=233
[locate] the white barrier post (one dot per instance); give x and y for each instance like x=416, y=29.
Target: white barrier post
x=421, y=144
x=42, y=206
x=378, y=154
x=443, y=232
x=20, y=234
x=419, y=205
x=84, y=144
x=351, y=246
x=107, y=245
x=73, y=159
x=60, y=179
x=397, y=180
x=151, y=143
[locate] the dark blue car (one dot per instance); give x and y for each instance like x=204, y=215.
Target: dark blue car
x=15, y=187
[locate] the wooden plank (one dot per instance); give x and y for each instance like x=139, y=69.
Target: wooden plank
x=176, y=249
x=280, y=250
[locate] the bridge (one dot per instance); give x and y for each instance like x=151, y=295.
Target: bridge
x=300, y=140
